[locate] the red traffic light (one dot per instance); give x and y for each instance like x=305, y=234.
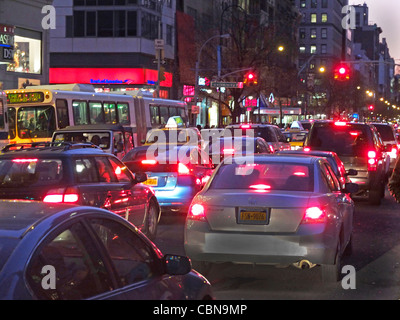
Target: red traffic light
x=250, y=79
x=371, y=107
x=342, y=72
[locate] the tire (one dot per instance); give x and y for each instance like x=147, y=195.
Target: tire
x=152, y=218
x=331, y=273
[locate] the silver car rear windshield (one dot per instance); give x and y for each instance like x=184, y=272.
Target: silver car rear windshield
x=265, y=176
x=30, y=172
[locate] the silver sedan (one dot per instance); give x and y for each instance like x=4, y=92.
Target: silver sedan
x=271, y=209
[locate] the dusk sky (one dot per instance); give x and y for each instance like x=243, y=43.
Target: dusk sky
x=385, y=14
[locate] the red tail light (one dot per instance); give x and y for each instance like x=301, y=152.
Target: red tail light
x=314, y=215
x=24, y=160
x=271, y=148
x=340, y=123
x=372, y=161
x=260, y=187
x=228, y=151
x=149, y=162
x=197, y=212
x=62, y=195
x=183, y=169
x=245, y=126
x=307, y=149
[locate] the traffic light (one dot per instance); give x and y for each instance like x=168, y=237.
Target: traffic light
x=371, y=107
x=250, y=79
x=342, y=72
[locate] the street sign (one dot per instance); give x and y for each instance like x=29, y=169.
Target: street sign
x=226, y=84
x=159, y=44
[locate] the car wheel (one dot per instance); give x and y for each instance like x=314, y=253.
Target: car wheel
x=152, y=220
x=331, y=272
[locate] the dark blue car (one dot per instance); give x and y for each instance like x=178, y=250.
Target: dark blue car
x=67, y=252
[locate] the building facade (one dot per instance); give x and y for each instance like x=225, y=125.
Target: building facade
x=24, y=42
x=114, y=44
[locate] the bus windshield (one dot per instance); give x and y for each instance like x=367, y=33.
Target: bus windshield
x=36, y=122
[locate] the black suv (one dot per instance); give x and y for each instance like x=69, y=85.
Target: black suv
x=359, y=147
x=81, y=174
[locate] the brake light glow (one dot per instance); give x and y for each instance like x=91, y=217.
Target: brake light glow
x=307, y=149
x=260, y=187
x=25, y=160
x=228, y=151
x=271, y=148
x=245, y=126
x=197, y=212
x=183, y=169
x=62, y=195
x=354, y=133
x=149, y=162
x=314, y=215
x=372, y=161
x=393, y=152
x=340, y=123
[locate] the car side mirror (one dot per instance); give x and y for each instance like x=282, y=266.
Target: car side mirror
x=351, y=188
x=351, y=172
x=140, y=177
x=177, y=265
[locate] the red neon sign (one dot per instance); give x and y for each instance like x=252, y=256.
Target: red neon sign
x=108, y=76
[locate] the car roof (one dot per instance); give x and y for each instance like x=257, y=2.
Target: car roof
x=19, y=216
x=320, y=153
x=290, y=158
x=79, y=149
x=95, y=127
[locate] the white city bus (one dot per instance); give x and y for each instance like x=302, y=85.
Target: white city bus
x=3, y=120
x=36, y=112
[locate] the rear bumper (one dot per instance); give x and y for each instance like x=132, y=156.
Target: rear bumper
x=314, y=243
x=178, y=199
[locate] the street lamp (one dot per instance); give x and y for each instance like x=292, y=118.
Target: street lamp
x=196, y=84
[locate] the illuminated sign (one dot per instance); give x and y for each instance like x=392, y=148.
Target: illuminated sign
x=108, y=76
x=26, y=97
x=7, y=43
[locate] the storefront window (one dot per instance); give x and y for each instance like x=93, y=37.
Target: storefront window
x=27, y=55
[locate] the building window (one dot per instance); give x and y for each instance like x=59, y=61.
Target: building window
x=324, y=4
x=27, y=52
x=313, y=34
x=169, y=34
x=313, y=49
x=313, y=4
x=303, y=4
x=302, y=33
x=313, y=18
x=323, y=48
x=324, y=17
x=302, y=49
x=324, y=33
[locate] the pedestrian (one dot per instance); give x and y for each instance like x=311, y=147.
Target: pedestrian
x=394, y=181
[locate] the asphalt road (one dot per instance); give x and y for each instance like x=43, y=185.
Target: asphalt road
x=375, y=259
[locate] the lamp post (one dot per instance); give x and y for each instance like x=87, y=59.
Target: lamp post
x=196, y=84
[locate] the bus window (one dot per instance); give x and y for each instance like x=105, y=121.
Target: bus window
x=36, y=122
x=164, y=116
x=123, y=113
x=2, y=123
x=173, y=111
x=155, y=116
x=11, y=123
x=80, y=112
x=62, y=113
x=96, y=112
x=110, y=113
